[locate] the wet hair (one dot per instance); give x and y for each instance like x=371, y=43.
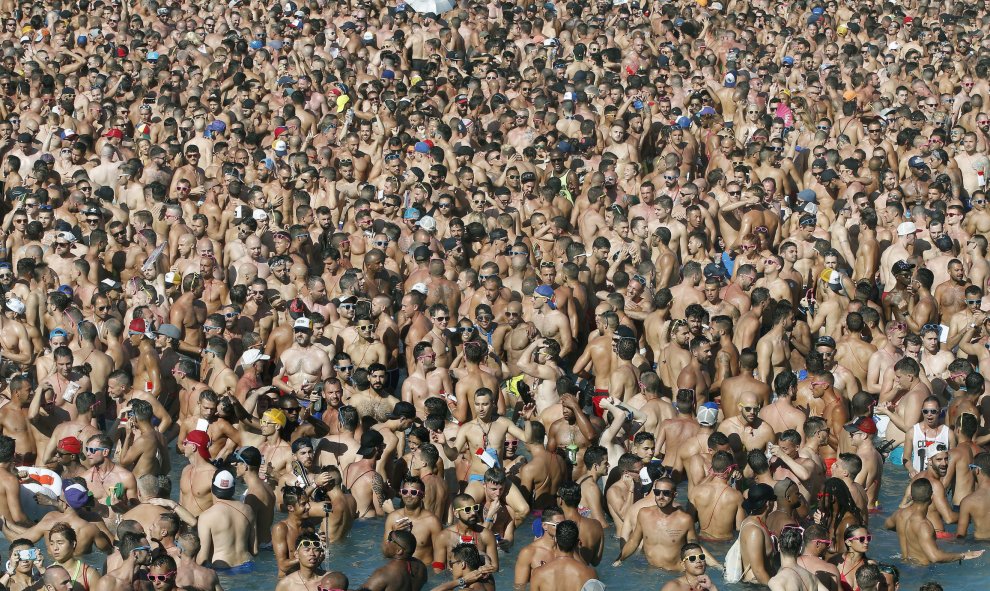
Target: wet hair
x=567, y=535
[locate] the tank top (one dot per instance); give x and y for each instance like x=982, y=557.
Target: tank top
x=925, y=447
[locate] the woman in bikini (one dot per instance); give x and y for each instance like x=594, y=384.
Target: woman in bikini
x=857, y=541
x=61, y=541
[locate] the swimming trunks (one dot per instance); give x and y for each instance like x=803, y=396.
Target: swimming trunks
x=476, y=478
x=829, y=462
x=896, y=456
x=240, y=569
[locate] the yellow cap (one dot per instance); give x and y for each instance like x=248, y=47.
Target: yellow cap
x=275, y=415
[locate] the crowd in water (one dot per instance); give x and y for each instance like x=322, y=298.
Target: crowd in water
x=690, y=275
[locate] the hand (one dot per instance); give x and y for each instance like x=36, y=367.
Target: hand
x=882, y=408
x=166, y=503
x=322, y=479
x=481, y=573
x=528, y=411
x=617, y=564
x=402, y=524
x=971, y=554
x=702, y=583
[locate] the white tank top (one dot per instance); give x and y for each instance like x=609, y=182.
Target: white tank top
x=921, y=442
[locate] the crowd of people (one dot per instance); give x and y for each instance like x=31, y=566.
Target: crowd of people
x=692, y=275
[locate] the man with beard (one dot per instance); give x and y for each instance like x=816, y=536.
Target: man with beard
x=486, y=432
x=414, y=517
x=747, y=431
x=662, y=529
x=566, y=571
x=468, y=529
x=303, y=364
x=940, y=512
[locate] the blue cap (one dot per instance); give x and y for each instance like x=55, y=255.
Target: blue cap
x=678, y=21
x=917, y=162
x=706, y=111
x=546, y=291
x=269, y=163
x=788, y=60
x=58, y=332
x=565, y=147
x=217, y=125
x=82, y=39
x=256, y=44
x=684, y=122
x=67, y=290
x=388, y=75
x=285, y=81
x=411, y=213
x=152, y=56
x=818, y=10
x=663, y=61
x=807, y=195
x=422, y=147
x=730, y=80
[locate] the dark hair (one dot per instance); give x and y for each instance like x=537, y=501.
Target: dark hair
x=567, y=535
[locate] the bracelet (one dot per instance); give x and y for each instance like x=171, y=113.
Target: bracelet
x=439, y=566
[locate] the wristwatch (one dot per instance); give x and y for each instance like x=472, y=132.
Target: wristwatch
x=461, y=583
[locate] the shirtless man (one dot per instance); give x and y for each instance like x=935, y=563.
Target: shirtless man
x=747, y=431
x=974, y=508
x=427, y=380
x=791, y=576
x=103, y=475
x=309, y=551
x=773, y=350
x=566, y=571
x=719, y=505
x=916, y=533
x=303, y=363
x=197, y=477
x=662, y=529
x=542, y=476
x=413, y=517
x=694, y=565
x=755, y=540
x=486, y=431
x=540, y=551
x=551, y=322
x=403, y=571
x=227, y=530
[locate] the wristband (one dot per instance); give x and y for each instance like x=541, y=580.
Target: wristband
x=439, y=566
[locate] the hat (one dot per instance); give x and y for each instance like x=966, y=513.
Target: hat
x=224, y=480
x=808, y=221
x=58, y=332
x=138, y=326
x=903, y=267
x=342, y=101
x=202, y=442
x=70, y=444
x=906, y=229
x=706, y=111
x=624, y=332
x=863, y=425
x=832, y=277
x=427, y=223
x=16, y=306
x=917, y=162
x=302, y=324
x=714, y=270
x=246, y=455
x=422, y=253
x=450, y=243
x=169, y=330
x=259, y=215
x=173, y=278
x=114, y=133
x=347, y=299
x=849, y=95
x=388, y=75
x=759, y=496
x=808, y=195
x=76, y=495
x=370, y=441
x=422, y=147
x=411, y=213
x=252, y=356
x=275, y=415
x=547, y=292
x=825, y=341
x=788, y=60
x=421, y=288
x=708, y=415
x=528, y=177
x=281, y=147
x=828, y=175
x=152, y=56
x=402, y=410
x=108, y=285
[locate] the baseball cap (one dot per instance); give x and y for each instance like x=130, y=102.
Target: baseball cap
x=427, y=223
x=302, y=324
x=173, y=278
x=275, y=415
x=76, y=495
x=917, y=162
x=58, y=332
x=421, y=288
x=246, y=455
x=71, y=445
x=402, y=410
x=252, y=356
x=16, y=306
x=807, y=195
x=864, y=425
x=138, y=326
x=708, y=415
x=906, y=229
x=903, y=267
x=202, y=442
x=169, y=330
x=370, y=441
x=224, y=480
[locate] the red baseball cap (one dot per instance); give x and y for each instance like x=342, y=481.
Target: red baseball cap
x=70, y=444
x=864, y=424
x=202, y=442
x=115, y=133
x=138, y=325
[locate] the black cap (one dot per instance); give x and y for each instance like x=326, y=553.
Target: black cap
x=25, y=138
x=528, y=177
x=903, y=267
x=247, y=455
x=371, y=440
x=714, y=270
x=624, y=332
x=825, y=341
x=498, y=234
x=828, y=175
x=402, y=410
x=759, y=496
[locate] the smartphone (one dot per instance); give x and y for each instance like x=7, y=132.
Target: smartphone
x=28, y=555
x=70, y=392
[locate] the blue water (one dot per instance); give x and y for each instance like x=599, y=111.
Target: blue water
x=360, y=554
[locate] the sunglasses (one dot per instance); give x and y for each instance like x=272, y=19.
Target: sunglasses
x=412, y=492
x=346, y=306
x=664, y=492
x=695, y=558
x=929, y=411
x=862, y=539
x=93, y=450
x=161, y=578
x=750, y=408
x=310, y=544
x=470, y=509
x=344, y=367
